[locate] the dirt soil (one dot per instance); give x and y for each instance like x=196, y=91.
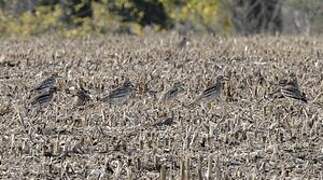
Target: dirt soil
x=243, y=134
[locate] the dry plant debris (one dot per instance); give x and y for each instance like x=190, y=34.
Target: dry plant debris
x=243, y=134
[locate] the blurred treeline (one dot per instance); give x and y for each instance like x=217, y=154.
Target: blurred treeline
x=81, y=17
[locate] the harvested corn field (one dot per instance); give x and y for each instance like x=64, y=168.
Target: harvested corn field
x=154, y=107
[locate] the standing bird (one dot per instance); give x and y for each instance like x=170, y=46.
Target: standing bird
x=120, y=95
x=166, y=121
x=212, y=92
x=172, y=93
x=183, y=43
x=290, y=89
x=46, y=84
x=81, y=97
x=43, y=98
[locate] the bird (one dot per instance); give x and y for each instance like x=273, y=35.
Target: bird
x=183, y=43
x=44, y=97
x=120, y=94
x=290, y=89
x=81, y=97
x=46, y=84
x=174, y=91
x=212, y=92
x=168, y=121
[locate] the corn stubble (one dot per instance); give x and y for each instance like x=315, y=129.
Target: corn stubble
x=243, y=133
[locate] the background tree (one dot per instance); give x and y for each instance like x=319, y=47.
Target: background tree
x=211, y=16
x=144, y=12
x=256, y=16
x=74, y=9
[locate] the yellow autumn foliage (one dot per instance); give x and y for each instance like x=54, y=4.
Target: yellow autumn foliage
x=46, y=19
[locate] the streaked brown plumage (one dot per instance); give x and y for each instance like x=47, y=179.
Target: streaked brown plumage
x=168, y=121
x=46, y=84
x=183, y=43
x=44, y=97
x=290, y=89
x=119, y=95
x=211, y=92
x=81, y=97
x=173, y=92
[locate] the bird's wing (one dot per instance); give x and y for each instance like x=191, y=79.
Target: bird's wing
x=170, y=94
x=47, y=83
x=292, y=92
x=42, y=98
x=209, y=91
x=119, y=92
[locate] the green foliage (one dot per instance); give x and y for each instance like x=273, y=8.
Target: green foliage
x=67, y=17
x=199, y=12
x=73, y=10
x=143, y=12
x=29, y=23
